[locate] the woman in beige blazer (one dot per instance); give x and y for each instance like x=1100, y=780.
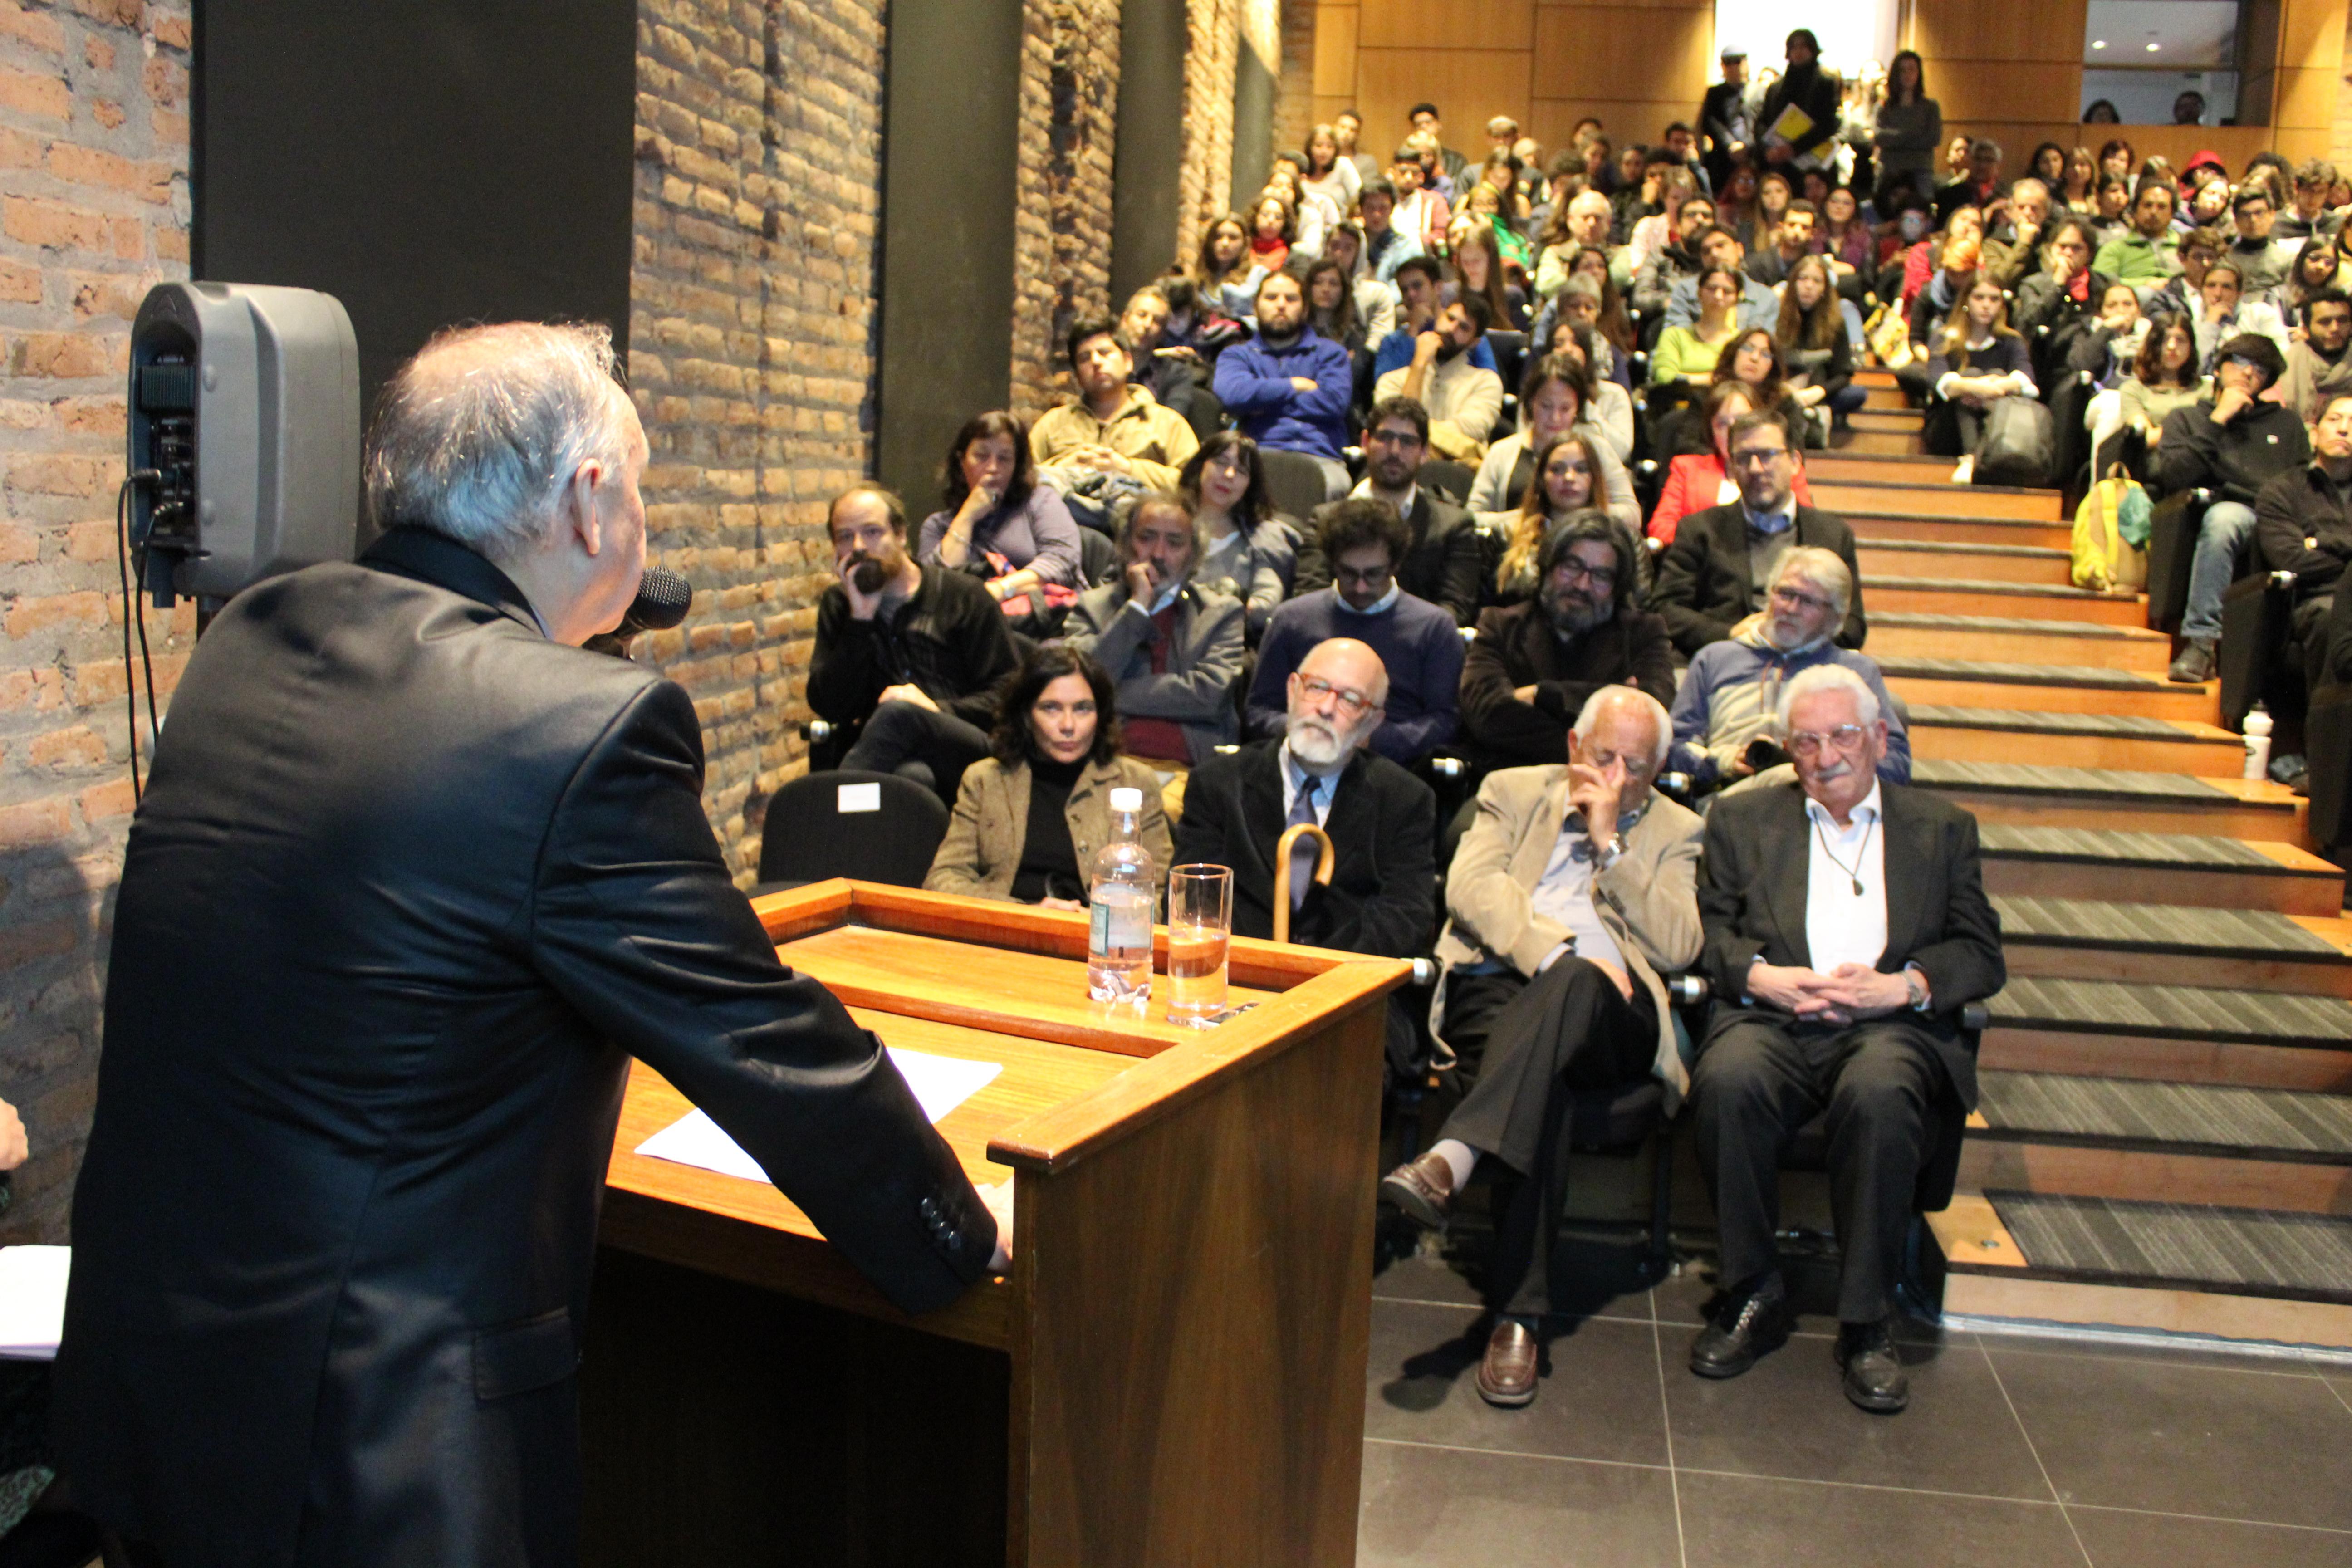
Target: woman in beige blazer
x=1032, y=815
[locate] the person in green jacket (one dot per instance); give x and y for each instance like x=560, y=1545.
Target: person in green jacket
x=2146, y=253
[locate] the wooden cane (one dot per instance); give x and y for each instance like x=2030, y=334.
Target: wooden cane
x=1282, y=862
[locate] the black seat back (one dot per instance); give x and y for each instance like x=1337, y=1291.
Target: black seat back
x=2328, y=741
x=1294, y=482
x=1448, y=479
x=873, y=827
x=2171, y=551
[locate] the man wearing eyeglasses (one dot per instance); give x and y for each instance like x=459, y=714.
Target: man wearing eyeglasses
x=1418, y=646
x=2232, y=443
x=1715, y=576
x=1441, y=560
x=1382, y=820
x=1726, y=711
x=1571, y=891
x=1846, y=926
x=1534, y=665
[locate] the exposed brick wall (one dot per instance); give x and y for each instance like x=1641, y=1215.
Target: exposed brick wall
x=1294, y=106
x=1062, y=235
x=1205, y=175
x=93, y=211
x=752, y=350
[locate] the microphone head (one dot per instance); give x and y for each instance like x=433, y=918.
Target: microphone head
x=663, y=598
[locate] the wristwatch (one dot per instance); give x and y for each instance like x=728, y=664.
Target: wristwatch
x=1916, y=984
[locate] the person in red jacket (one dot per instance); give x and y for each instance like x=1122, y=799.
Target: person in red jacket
x=1698, y=480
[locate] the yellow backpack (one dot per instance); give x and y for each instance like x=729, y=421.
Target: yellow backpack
x=2111, y=536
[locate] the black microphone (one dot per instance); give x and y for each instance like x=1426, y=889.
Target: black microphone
x=663, y=598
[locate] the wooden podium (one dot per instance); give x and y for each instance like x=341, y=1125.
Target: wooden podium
x=1173, y=1374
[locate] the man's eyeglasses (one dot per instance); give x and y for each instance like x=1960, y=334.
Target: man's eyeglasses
x=1392, y=438
x=1756, y=457
x=1789, y=596
x=1569, y=567
x=2242, y=363
x=1378, y=577
x=1350, y=703
x=1809, y=742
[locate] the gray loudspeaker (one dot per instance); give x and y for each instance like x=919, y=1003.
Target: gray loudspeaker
x=244, y=399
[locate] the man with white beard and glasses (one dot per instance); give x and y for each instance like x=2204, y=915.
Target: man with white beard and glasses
x=1570, y=893
x=1382, y=821
x=1726, y=708
x=908, y=657
x=1533, y=665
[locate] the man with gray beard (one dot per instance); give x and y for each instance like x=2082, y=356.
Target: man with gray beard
x=1724, y=728
x=1534, y=664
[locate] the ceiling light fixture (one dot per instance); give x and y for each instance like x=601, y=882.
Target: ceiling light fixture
x=2098, y=43
x=2153, y=47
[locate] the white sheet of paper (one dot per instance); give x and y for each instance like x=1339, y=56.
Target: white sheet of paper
x=33, y=1300
x=941, y=1084
x=851, y=798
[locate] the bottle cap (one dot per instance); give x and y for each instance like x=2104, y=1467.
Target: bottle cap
x=1126, y=800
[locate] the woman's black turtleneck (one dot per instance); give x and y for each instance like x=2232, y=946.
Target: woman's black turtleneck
x=1049, y=863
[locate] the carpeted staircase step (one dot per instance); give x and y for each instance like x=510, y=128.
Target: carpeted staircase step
x=2253, y=1252
x=2194, y=869
x=2209, y=1118
x=1950, y=732
x=1946, y=594
x=1887, y=421
x=1929, y=492
x=1939, y=558
x=2059, y=687
x=2029, y=794
x=1909, y=634
x=1889, y=521
x=2173, y=1012
x=2253, y=950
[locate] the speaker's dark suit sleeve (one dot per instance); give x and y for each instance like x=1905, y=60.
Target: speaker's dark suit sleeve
x=635, y=922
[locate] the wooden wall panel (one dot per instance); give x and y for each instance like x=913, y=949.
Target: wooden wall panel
x=1997, y=30
x=1419, y=24
x=1635, y=119
x=2014, y=91
x=1624, y=52
x=1334, y=52
x=2233, y=144
x=1467, y=86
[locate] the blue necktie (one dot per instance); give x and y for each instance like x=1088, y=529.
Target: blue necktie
x=1303, y=857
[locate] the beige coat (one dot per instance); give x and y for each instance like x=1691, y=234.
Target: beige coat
x=981, y=852
x=1648, y=900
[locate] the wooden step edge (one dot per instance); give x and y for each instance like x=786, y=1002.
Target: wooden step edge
x=2189, y=732
x=2234, y=1154
x=2304, y=1068
x=2230, y=792
x=2030, y=627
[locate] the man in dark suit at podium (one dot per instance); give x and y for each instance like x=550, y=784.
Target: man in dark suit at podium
x=415, y=876
x=1718, y=574
x=1846, y=926
x=1382, y=821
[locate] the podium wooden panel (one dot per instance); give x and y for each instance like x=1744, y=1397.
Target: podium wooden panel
x=1173, y=1374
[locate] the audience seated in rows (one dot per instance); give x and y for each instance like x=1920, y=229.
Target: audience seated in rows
x=2317, y=366
x=1443, y=560
x=1387, y=246
x=1845, y=927
x=1172, y=648
x=1698, y=481
x=1721, y=565
x=1420, y=295
x=1727, y=709
x=1563, y=479
x=1719, y=250
x=1536, y=661
x=1553, y=403
x=2147, y=252
x=1979, y=360
x=1325, y=765
x=907, y=656
x=2231, y=443
x=1572, y=892
x=2227, y=312
x=1173, y=373
x=2302, y=524
x=1417, y=644
x=1031, y=815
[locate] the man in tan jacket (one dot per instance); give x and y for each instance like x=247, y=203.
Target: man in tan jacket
x=1111, y=426
x=1576, y=887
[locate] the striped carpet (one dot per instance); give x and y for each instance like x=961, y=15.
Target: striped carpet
x=2026, y=720
x=2176, y=1012
x=2144, y=1243
x=2158, y=927
x=2109, y=847
x=2242, y=1121
x=2080, y=782
x=1921, y=668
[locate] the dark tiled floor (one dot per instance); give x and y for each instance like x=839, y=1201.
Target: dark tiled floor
x=2017, y=1452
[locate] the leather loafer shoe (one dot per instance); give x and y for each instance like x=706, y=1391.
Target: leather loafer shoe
x=1874, y=1378
x=1422, y=1189
x=1506, y=1374
x=1748, y=1326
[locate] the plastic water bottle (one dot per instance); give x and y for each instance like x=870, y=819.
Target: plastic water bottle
x=2258, y=742
x=1121, y=901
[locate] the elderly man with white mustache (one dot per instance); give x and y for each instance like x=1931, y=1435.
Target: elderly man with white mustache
x=1846, y=926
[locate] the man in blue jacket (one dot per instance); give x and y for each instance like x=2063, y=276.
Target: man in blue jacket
x=1287, y=388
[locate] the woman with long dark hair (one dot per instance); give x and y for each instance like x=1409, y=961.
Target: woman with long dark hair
x=1478, y=269
x=1031, y=815
x=1812, y=337
x=1244, y=551
x=1223, y=273
x=1565, y=480
x=1557, y=396
x=1910, y=128
x=1331, y=305
x=997, y=522
x=1979, y=360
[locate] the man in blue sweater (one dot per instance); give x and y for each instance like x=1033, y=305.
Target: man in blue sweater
x=1287, y=388
x=1724, y=714
x=1418, y=642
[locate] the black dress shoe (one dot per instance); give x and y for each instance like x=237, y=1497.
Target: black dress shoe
x=1874, y=1378
x=1749, y=1324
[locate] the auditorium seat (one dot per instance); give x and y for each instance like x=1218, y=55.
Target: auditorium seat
x=873, y=827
